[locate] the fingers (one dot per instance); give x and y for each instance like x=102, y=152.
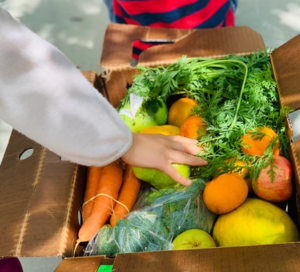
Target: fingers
x=175, y=175
x=181, y=150
x=185, y=147
x=179, y=139
x=159, y=151
x=185, y=158
x=182, y=139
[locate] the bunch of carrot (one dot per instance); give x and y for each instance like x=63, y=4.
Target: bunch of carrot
x=110, y=194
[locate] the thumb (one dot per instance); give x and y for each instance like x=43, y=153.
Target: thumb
x=173, y=173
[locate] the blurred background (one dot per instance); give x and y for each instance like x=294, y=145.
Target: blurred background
x=77, y=28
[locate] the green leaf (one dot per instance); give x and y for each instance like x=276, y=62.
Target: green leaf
x=236, y=95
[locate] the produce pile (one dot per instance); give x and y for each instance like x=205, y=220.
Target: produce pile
x=158, y=217
x=231, y=107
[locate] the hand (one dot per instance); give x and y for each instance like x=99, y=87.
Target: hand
x=159, y=151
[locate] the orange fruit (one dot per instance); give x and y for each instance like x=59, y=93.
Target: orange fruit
x=180, y=111
x=191, y=126
x=165, y=130
x=225, y=193
x=258, y=147
x=242, y=172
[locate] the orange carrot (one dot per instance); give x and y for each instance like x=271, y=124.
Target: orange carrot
x=127, y=196
x=93, y=178
x=109, y=186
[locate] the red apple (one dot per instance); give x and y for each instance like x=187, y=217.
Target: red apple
x=281, y=188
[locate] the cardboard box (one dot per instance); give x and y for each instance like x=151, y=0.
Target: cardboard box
x=40, y=196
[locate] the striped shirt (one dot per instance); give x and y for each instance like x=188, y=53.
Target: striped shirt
x=183, y=14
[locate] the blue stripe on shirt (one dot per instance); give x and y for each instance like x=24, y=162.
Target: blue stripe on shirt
x=167, y=17
x=217, y=18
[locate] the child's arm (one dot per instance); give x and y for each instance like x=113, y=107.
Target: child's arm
x=44, y=96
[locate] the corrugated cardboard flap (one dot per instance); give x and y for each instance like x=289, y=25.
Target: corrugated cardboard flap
x=80, y=264
x=36, y=196
x=286, y=67
x=117, y=50
x=39, y=200
x=283, y=257
x=216, y=42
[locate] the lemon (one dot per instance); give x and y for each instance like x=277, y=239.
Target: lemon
x=180, y=111
x=165, y=130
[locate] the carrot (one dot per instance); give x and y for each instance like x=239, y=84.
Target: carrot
x=127, y=196
x=93, y=178
x=109, y=185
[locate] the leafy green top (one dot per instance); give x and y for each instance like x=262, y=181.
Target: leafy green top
x=235, y=95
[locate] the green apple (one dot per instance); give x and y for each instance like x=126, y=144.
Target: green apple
x=159, y=179
x=194, y=238
x=140, y=113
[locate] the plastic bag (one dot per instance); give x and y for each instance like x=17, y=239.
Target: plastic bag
x=157, y=218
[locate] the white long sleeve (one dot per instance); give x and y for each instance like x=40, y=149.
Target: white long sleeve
x=45, y=97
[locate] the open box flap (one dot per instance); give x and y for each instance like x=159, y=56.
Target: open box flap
x=39, y=200
x=215, y=42
x=117, y=50
x=286, y=67
x=80, y=264
x=34, y=200
x=119, y=38
x=282, y=257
